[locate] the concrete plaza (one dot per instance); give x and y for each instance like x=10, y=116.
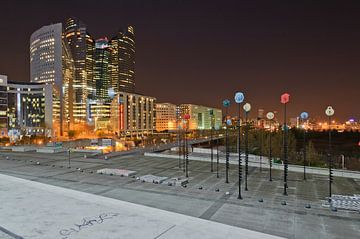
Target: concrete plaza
x=201, y=198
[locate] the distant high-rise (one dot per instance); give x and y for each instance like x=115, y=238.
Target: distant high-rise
x=51, y=62
x=82, y=49
x=123, y=61
x=102, y=69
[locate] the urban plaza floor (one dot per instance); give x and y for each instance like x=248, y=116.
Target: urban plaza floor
x=205, y=197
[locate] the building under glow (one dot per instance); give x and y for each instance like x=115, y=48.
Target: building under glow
x=132, y=114
x=166, y=117
x=51, y=63
x=25, y=108
x=123, y=61
x=201, y=117
x=98, y=112
x=82, y=48
x=102, y=69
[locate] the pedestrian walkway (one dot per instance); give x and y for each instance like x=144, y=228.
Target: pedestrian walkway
x=34, y=210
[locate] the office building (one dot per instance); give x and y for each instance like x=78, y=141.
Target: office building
x=166, y=117
x=82, y=48
x=132, y=114
x=201, y=117
x=102, y=69
x=98, y=112
x=25, y=108
x=51, y=63
x=123, y=61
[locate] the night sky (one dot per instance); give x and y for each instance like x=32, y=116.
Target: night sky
x=201, y=52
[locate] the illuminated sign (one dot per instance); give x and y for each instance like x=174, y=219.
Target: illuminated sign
x=285, y=98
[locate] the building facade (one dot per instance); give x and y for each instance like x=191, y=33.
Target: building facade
x=99, y=114
x=133, y=114
x=102, y=69
x=82, y=48
x=166, y=117
x=51, y=63
x=28, y=108
x=201, y=117
x=123, y=61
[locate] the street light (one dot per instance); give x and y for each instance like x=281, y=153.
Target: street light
x=226, y=104
x=247, y=108
x=284, y=100
x=270, y=116
x=330, y=112
x=187, y=117
x=239, y=98
x=304, y=116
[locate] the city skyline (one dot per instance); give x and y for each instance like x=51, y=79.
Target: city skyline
x=214, y=50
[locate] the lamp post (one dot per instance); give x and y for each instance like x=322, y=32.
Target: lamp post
x=304, y=116
x=183, y=146
x=179, y=140
x=284, y=100
x=239, y=98
x=211, y=139
x=187, y=117
x=330, y=112
x=247, y=108
x=261, y=149
x=217, y=157
x=226, y=104
x=69, y=151
x=270, y=116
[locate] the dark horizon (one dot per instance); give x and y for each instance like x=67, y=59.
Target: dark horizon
x=203, y=52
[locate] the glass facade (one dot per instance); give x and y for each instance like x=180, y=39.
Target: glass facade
x=23, y=107
x=123, y=61
x=82, y=49
x=101, y=69
x=51, y=62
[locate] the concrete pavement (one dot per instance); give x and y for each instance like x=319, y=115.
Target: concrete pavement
x=34, y=210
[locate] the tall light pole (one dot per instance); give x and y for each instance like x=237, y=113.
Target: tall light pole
x=304, y=116
x=330, y=112
x=211, y=139
x=270, y=116
x=184, y=146
x=239, y=98
x=179, y=139
x=284, y=100
x=187, y=117
x=217, y=157
x=226, y=104
x=247, y=108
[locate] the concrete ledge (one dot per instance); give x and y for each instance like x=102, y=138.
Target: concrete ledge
x=116, y=171
x=153, y=179
x=89, y=151
x=50, y=150
x=23, y=149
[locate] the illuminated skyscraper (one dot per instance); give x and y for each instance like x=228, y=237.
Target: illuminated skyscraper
x=123, y=61
x=51, y=62
x=82, y=49
x=102, y=69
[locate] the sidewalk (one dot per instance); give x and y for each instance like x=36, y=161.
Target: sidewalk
x=34, y=210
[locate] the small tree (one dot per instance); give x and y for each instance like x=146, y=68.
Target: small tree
x=312, y=155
